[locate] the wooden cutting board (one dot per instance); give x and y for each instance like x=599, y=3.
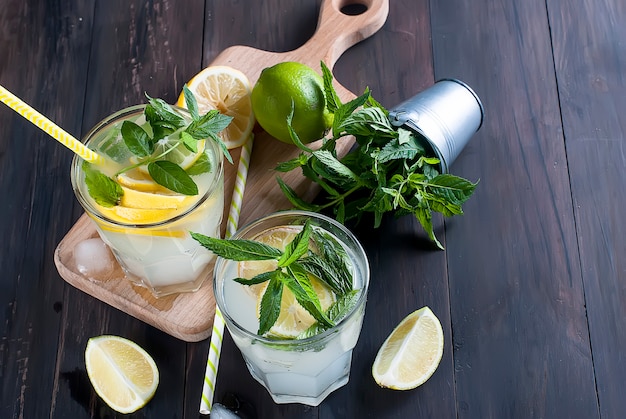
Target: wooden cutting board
x=189, y=316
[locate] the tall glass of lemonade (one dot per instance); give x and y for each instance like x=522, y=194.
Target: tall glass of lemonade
x=301, y=357
x=146, y=224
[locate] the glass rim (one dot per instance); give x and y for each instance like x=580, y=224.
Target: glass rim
x=358, y=250
x=93, y=211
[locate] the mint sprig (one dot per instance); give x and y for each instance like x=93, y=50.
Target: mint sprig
x=389, y=170
x=329, y=263
x=163, y=121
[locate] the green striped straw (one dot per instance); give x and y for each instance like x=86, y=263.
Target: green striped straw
x=217, y=334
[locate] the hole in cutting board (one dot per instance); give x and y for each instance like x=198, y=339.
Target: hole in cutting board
x=353, y=9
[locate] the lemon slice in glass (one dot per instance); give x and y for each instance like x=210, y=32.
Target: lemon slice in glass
x=123, y=374
x=227, y=90
x=412, y=352
x=293, y=319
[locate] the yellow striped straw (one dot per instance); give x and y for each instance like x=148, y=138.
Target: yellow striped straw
x=215, y=348
x=48, y=126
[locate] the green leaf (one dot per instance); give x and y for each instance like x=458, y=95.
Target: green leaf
x=202, y=165
x=367, y=122
x=452, y=188
x=258, y=279
x=160, y=112
x=333, y=102
x=336, y=312
x=300, y=285
x=238, y=250
x=190, y=143
x=395, y=150
x=345, y=111
x=270, y=305
x=296, y=248
x=332, y=169
x=136, y=139
x=293, y=198
x=208, y=125
x=190, y=103
x=289, y=165
x=173, y=177
x=104, y=190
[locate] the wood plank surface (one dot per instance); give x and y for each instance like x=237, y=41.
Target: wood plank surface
x=530, y=289
x=335, y=33
x=516, y=291
x=590, y=66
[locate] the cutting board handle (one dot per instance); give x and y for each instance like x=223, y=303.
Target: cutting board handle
x=337, y=31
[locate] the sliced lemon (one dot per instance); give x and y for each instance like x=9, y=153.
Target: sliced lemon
x=411, y=353
x=139, y=180
x=293, y=318
x=227, y=90
x=138, y=215
x=123, y=374
x=277, y=237
x=147, y=200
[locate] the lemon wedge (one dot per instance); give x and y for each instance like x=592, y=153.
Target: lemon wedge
x=123, y=374
x=128, y=215
x=227, y=90
x=412, y=352
x=139, y=180
x=147, y=200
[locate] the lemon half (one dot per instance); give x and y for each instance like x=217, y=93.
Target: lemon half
x=227, y=90
x=123, y=374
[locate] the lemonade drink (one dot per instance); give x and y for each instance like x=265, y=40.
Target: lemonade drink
x=294, y=367
x=148, y=229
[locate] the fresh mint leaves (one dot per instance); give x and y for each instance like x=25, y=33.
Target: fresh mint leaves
x=162, y=121
x=388, y=171
x=328, y=261
x=104, y=190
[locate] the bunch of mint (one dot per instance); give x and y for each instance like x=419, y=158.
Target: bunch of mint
x=388, y=171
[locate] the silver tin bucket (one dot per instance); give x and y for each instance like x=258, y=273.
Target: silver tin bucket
x=446, y=114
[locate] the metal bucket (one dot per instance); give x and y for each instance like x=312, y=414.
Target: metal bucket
x=446, y=114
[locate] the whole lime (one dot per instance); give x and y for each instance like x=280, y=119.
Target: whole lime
x=283, y=84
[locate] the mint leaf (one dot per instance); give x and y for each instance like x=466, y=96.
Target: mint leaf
x=189, y=142
x=136, y=139
x=202, y=165
x=270, y=305
x=160, y=112
x=297, y=247
x=337, y=312
x=173, y=177
x=333, y=102
x=191, y=103
x=104, y=190
x=238, y=250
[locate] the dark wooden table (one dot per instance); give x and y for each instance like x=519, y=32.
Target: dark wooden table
x=531, y=289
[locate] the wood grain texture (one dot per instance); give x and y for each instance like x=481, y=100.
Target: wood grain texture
x=516, y=292
x=532, y=276
x=335, y=33
x=590, y=65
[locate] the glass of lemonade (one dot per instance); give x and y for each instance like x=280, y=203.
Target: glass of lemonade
x=295, y=362
x=148, y=229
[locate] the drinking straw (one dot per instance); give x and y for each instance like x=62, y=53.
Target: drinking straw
x=48, y=126
x=215, y=348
